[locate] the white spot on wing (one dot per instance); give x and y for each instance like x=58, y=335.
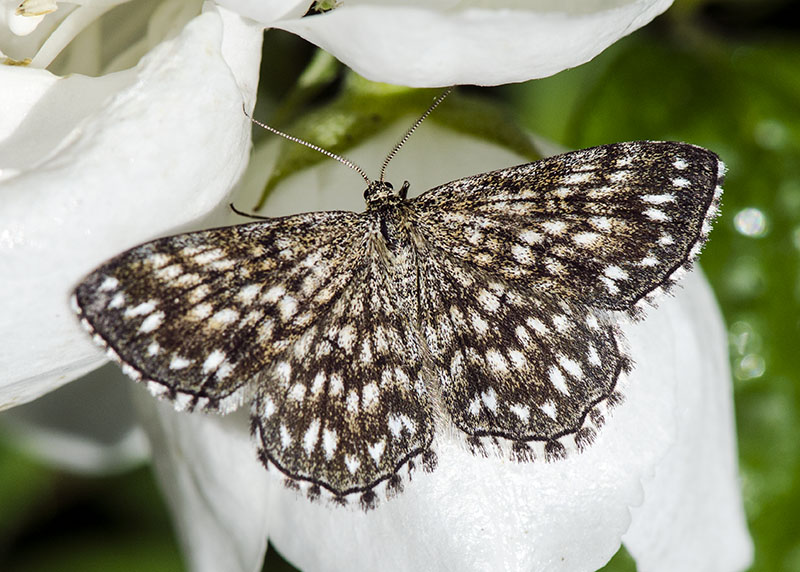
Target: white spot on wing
x=496, y=361
x=488, y=300
x=151, y=322
x=169, y=273
x=352, y=464
x=347, y=337
x=610, y=285
x=269, y=408
x=187, y=280
x=489, y=398
x=248, y=293
x=117, y=301
x=554, y=226
x=199, y=293
x=600, y=222
x=369, y=395
x=141, y=310
x=480, y=325
x=570, y=366
x=518, y=359
x=594, y=359
x=286, y=437
x=521, y=254
x=311, y=436
x=213, y=361
x=179, y=362
x=523, y=336
x=558, y=381
x=530, y=237
x=201, y=311
x=537, y=326
x=578, y=178
x=208, y=256
x=109, y=283
x=274, y=294
x=318, y=383
x=336, y=386
x=655, y=214
x=549, y=409
x=658, y=199
x=521, y=411
x=287, y=307
x=615, y=273
x=376, y=451
x=283, y=371
x=561, y=323
x=222, y=265
x=297, y=392
x=352, y=401
x=224, y=317
x=585, y=238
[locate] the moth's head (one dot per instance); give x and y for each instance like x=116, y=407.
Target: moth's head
x=381, y=193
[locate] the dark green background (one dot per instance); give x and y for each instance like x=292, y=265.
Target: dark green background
x=724, y=75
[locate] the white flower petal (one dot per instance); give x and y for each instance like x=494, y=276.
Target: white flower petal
x=20, y=20
x=692, y=518
x=267, y=11
x=213, y=483
x=100, y=164
x=438, y=43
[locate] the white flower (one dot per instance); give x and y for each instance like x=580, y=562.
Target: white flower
x=447, y=42
x=93, y=165
x=662, y=476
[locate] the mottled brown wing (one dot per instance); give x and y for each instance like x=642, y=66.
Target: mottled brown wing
x=346, y=406
x=517, y=367
x=198, y=316
x=605, y=226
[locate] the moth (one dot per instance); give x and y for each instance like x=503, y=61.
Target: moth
x=489, y=304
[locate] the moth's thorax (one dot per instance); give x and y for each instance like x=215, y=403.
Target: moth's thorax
x=394, y=244
x=381, y=194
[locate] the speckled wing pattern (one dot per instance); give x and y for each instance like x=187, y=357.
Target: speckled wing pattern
x=347, y=405
x=604, y=226
x=518, y=368
x=488, y=304
x=522, y=269
x=196, y=316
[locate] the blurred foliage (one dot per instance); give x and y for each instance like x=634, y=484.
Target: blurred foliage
x=56, y=521
x=724, y=75
x=739, y=97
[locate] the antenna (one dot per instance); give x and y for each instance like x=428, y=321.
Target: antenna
x=345, y=160
x=411, y=130
x=342, y=160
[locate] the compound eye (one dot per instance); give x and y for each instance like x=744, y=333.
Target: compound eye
x=388, y=185
x=366, y=193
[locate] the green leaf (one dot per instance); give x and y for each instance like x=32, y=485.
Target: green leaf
x=364, y=108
